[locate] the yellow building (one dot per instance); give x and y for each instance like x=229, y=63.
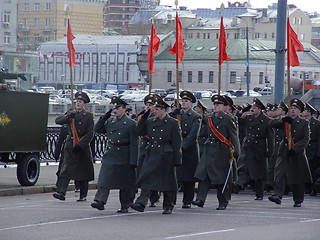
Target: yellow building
x=46, y=20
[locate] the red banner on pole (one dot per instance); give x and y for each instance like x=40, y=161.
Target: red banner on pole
x=178, y=47
x=222, y=44
x=153, y=49
x=70, y=37
x=293, y=45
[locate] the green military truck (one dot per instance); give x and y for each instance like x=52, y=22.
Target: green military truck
x=23, y=130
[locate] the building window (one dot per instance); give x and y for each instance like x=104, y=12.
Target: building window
x=302, y=36
x=236, y=35
x=6, y=17
x=300, y=21
x=227, y=35
x=48, y=6
x=36, y=22
x=198, y=35
x=25, y=21
x=245, y=75
x=294, y=21
x=208, y=35
x=37, y=6
x=257, y=35
x=7, y=36
x=233, y=77
x=47, y=38
x=65, y=22
x=272, y=35
x=180, y=76
x=26, y=7
x=36, y=37
x=25, y=37
x=189, y=76
x=204, y=36
x=200, y=76
x=265, y=35
x=260, y=77
x=217, y=35
x=47, y=22
x=169, y=76
x=210, y=76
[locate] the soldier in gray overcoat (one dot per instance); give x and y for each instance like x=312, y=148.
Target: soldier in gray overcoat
x=292, y=165
x=120, y=159
x=257, y=146
x=201, y=109
x=215, y=162
x=313, y=147
x=77, y=160
x=190, y=126
x=158, y=171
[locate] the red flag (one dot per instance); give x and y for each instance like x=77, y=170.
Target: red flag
x=178, y=47
x=153, y=49
x=293, y=45
x=222, y=45
x=70, y=37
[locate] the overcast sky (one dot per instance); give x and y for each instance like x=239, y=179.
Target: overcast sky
x=305, y=5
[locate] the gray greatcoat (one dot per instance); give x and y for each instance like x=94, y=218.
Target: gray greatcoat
x=257, y=145
x=296, y=170
x=215, y=161
x=190, y=126
x=158, y=171
x=78, y=166
x=117, y=170
x=313, y=148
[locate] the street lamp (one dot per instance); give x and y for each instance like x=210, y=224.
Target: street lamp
x=247, y=62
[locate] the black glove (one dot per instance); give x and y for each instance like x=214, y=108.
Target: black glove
x=246, y=109
x=20, y=75
x=131, y=166
x=71, y=115
x=76, y=149
x=146, y=114
x=287, y=120
x=291, y=153
x=107, y=115
x=142, y=112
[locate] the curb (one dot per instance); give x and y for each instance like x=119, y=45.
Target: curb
x=38, y=189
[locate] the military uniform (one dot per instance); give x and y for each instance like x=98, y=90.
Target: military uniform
x=120, y=159
x=257, y=146
x=77, y=165
x=215, y=162
x=190, y=126
x=158, y=171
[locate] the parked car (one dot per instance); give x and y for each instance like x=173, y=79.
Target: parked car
x=202, y=94
x=266, y=91
x=161, y=92
x=232, y=92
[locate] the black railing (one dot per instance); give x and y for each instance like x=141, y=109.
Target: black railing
x=98, y=144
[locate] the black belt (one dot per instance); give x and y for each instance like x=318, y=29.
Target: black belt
x=158, y=143
x=115, y=144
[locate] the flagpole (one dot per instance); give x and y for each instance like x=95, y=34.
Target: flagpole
x=289, y=88
x=177, y=61
x=219, y=76
x=151, y=44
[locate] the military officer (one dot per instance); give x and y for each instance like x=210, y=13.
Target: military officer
x=313, y=147
x=292, y=164
x=201, y=109
x=257, y=147
x=77, y=163
x=190, y=126
x=120, y=159
x=281, y=111
x=158, y=171
x=215, y=163
x=144, y=142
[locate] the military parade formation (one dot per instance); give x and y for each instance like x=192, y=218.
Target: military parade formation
x=192, y=149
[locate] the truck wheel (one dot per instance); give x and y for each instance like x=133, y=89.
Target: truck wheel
x=28, y=170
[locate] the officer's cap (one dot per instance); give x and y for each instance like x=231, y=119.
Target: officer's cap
x=310, y=108
x=297, y=103
x=219, y=99
x=274, y=106
x=188, y=95
x=201, y=105
x=229, y=100
x=283, y=106
x=149, y=99
x=117, y=102
x=258, y=104
x=158, y=102
x=82, y=96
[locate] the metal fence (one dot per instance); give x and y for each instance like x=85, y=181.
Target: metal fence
x=98, y=144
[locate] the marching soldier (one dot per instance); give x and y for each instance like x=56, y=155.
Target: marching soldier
x=158, y=171
x=203, y=133
x=190, y=126
x=145, y=141
x=313, y=148
x=257, y=147
x=77, y=159
x=120, y=160
x=281, y=111
x=292, y=164
x=215, y=167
